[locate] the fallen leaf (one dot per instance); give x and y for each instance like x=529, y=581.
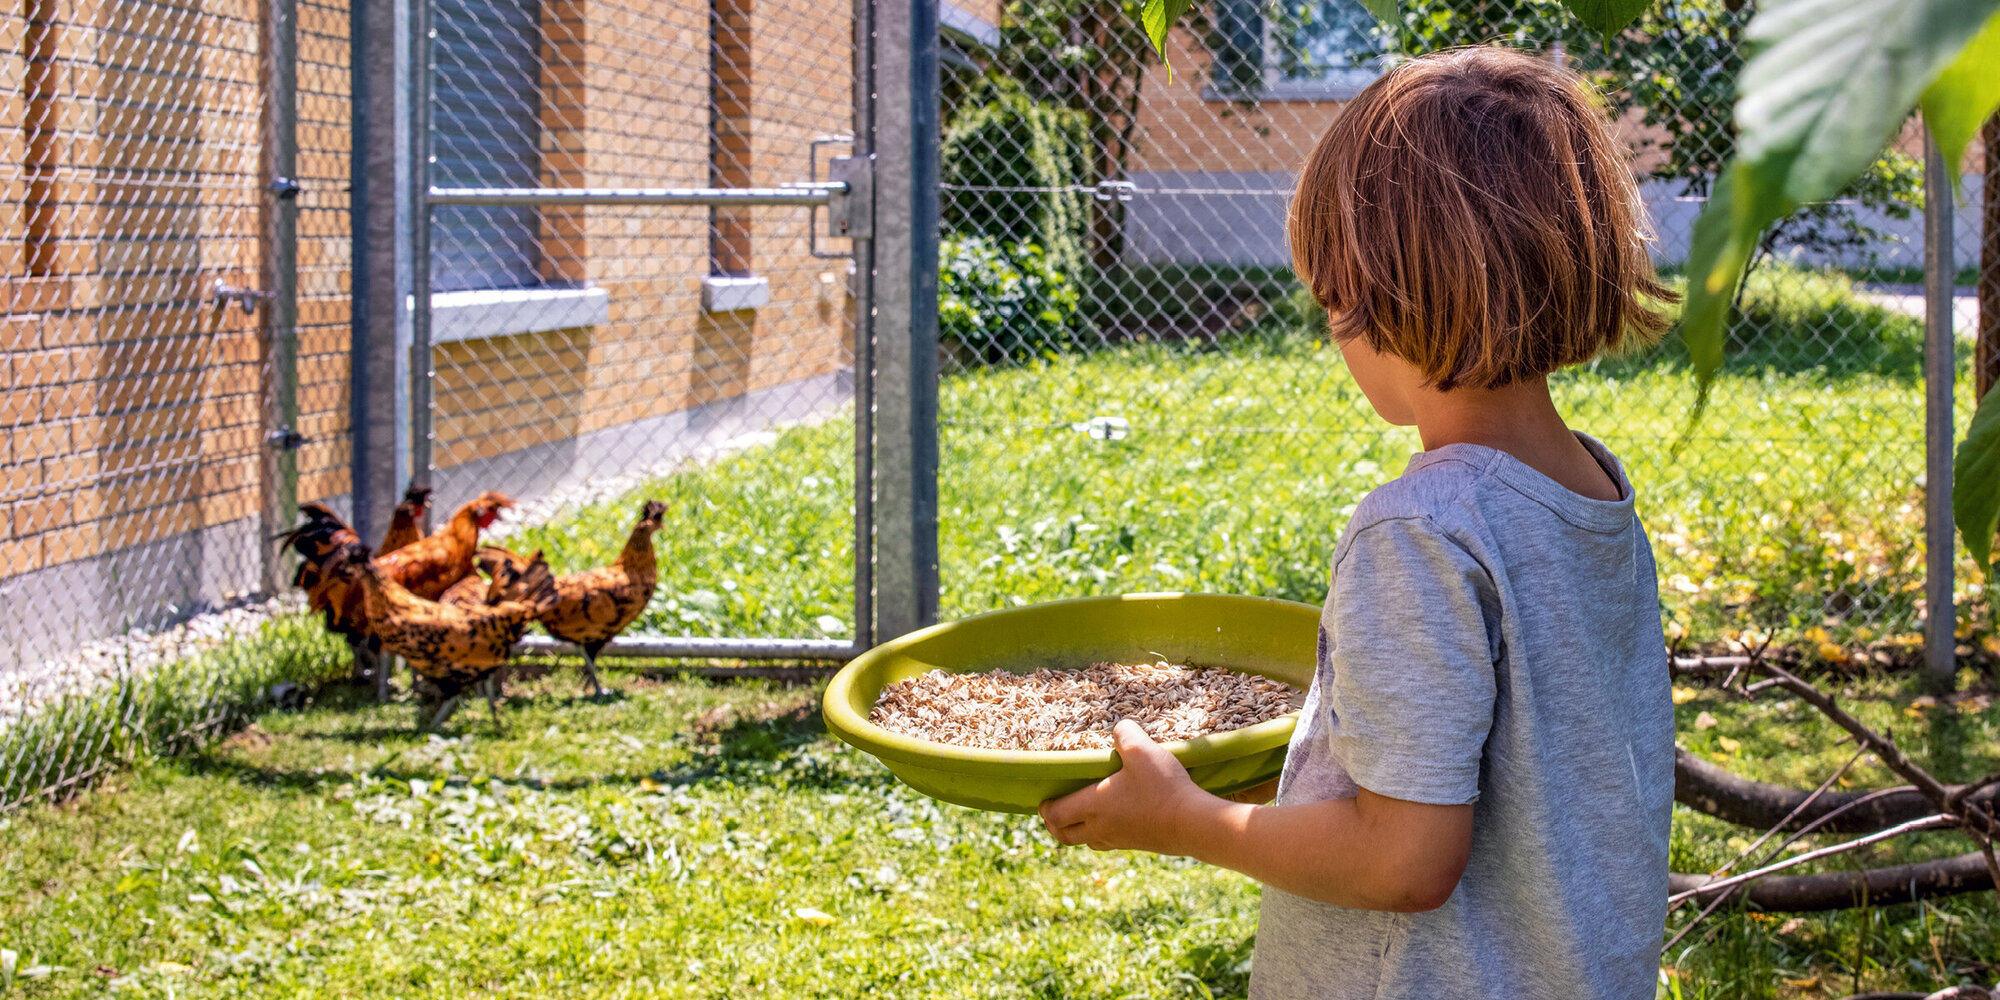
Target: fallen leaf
x=1811, y=983
x=173, y=968
x=1728, y=744
x=1792, y=926
x=1832, y=652
x=649, y=785
x=1684, y=695
x=1704, y=721
x=814, y=916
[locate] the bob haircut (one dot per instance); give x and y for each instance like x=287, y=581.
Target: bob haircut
x=1470, y=213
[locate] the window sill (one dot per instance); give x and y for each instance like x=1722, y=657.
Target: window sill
x=725, y=293
x=1290, y=90
x=507, y=312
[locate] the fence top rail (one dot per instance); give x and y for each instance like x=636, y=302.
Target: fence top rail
x=813, y=193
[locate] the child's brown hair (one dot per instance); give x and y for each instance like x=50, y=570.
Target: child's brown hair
x=1470, y=213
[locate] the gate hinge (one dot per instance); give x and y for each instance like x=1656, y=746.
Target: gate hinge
x=851, y=213
x=285, y=439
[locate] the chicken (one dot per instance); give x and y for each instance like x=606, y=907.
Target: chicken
x=597, y=604
x=475, y=590
x=421, y=566
x=318, y=540
x=406, y=523
x=429, y=565
x=454, y=648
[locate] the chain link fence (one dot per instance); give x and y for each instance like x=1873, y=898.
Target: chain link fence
x=1136, y=393
x=1142, y=396
x=591, y=355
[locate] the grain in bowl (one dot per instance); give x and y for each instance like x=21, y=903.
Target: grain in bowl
x=1075, y=709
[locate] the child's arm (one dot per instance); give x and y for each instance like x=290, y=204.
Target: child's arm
x=1370, y=852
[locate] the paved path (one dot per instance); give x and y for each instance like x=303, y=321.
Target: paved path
x=1909, y=300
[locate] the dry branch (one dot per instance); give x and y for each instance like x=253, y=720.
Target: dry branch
x=1718, y=792
x=1842, y=890
x=1720, y=884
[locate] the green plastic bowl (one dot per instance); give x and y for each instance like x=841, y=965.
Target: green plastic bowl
x=1258, y=635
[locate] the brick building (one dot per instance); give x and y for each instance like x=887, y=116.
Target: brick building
x=567, y=342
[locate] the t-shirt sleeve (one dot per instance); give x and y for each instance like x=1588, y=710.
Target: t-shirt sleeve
x=1412, y=657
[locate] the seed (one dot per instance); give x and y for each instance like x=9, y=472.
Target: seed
x=1075, y=709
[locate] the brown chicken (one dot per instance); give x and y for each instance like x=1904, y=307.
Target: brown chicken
x=454, y=648
x=406, y=523
x=598, y=604
x=317, y=541
x=428, y=565
x=476, y=590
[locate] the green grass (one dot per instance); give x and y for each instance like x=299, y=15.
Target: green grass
x=664, y=841
x=1794, y=505
x=164, y=710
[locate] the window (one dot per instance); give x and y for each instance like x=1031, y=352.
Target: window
x=1294, y=49
x=486, y=132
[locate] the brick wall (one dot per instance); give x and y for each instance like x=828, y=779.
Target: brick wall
x=129, y=132
x=657, y=95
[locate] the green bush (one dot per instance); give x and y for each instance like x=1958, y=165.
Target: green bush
x=1022, y=161
x=1003, y=300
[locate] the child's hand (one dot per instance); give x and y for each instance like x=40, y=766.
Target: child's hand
x=1144, y=807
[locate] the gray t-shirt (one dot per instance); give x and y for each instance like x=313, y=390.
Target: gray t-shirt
x=1490, y=635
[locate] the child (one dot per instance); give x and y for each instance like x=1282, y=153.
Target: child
x=1476, y=799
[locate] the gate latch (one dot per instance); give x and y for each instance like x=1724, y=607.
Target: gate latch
x=286, y=188
x=1108, y=191
x=851, y=213
x=285, y=439
x=224, y=293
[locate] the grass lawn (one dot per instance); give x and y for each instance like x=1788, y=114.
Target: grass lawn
x=702, y=839
x=697, y=839
x=1795, y=505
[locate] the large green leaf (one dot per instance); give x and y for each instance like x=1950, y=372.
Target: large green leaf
x=1385, y=11
x=1975, y=484
x=1829, y=84
x=1607, y=17
x=1960, y=100
x=1159, y=17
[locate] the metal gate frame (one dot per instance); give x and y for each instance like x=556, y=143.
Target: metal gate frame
x=887, y=204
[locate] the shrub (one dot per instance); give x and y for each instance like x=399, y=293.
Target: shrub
x=1023, y=160
x=1003, y=300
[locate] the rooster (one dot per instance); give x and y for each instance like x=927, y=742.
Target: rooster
x=429, y=565
x=598, y=604
x=406, y=523
x=426, y=566
x=318, y=541
x=454, y=648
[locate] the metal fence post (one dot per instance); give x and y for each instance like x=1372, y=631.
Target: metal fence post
x=373, y=468
x=862, y=333
x=904, y=325
x=279, y=460
x=420, y=146
x=1940, y=356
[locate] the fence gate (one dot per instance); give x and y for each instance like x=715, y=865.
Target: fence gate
x=642, y=249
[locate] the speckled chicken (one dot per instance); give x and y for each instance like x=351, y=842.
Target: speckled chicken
x=427, y=566
x=596, y=605
x=477, y=589
x=454, y=648
x=318, y=540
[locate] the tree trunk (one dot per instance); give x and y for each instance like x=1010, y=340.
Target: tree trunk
x=1709, y=789
x=1986, y=354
